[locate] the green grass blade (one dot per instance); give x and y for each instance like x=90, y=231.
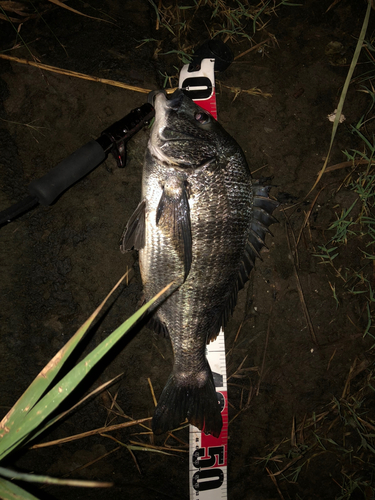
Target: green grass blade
x=98, y=390
x=41, y=383
x=344, y=91
x=34, y=478
x=10, y=491
x=18, y=432
x=257, y=15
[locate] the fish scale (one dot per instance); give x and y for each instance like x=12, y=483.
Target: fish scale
x=201, y=223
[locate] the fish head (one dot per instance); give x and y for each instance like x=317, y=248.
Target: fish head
x=184, y=134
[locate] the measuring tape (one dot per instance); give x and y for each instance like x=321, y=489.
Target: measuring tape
x=207, y=454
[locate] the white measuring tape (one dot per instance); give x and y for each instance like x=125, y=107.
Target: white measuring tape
x=207, y=454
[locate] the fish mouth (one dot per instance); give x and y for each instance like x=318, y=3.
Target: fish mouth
x=175, y=100
x=163, y=106
x=166, y=143
x=161, y=134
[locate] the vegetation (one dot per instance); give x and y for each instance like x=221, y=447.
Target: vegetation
x=35, y=411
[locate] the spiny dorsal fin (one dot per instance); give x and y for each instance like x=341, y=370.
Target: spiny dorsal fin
x=262, y=218
x=263, y=206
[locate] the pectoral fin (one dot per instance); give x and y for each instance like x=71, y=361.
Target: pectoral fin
x=173, y=217
x=134, y=234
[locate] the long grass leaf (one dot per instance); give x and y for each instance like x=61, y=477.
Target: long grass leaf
x=41, y=383
x=345, y=90
x=10, y=491
x=74, y=74
x=61, y=4
x=34, y=478
x=16, y=434
x=88, y=396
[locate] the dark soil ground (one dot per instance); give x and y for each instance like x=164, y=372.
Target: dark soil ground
x=58, y=262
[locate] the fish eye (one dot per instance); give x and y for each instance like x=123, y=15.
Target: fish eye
x=202, y=117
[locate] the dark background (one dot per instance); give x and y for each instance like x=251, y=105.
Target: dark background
x=59, y=262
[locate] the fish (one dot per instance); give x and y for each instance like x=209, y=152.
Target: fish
x=201, y=224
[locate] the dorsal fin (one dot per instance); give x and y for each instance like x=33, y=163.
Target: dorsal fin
x=263, y=206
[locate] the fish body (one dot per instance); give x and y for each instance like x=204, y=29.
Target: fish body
x=201, y=223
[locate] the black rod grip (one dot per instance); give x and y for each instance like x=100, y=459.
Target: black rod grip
x=67, y=172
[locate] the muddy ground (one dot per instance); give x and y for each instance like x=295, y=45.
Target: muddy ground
x=58, y=262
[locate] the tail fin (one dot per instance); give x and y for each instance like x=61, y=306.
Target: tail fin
x=198, y=404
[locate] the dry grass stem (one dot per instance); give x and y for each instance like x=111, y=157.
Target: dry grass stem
x=257, y=170
x=255, y=47
x=273, y=479
x=300, y=293
x=330, y=359
x=74, y=74
x=349, y=378
x=94, y=432
x=237, y=91
x=346, y=164
x=135, y=460
x=265, y=351
x=238, y=369
x=293, y=437
x=171, y=435
x=124, y=445
x=287, y=466
x=238, y=332
x=335, y=2
x=88, y=464
x=308, y=216
x=110, y=410
x=157, y=18
x=152, y=391
x=302, y=427
x=61, y=4
x=160, y=448
x=90, y=395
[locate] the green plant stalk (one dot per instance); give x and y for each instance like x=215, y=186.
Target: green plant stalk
x=19, y=431
x=41, y=383
x=34, y=478
x=345, y=90
x=10, y=491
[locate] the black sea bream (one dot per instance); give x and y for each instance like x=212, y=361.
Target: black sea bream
x=201, y=223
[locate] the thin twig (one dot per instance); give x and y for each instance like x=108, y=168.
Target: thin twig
x=152, y=447
x=346, y=164
x=265, y=351
x=152, y=392
x=90, y=433
x=308, y=216
x=254, y=47
x=88, y=464
x=273, y=479
x=74, y=74
x=331, y=358
x=300, y=293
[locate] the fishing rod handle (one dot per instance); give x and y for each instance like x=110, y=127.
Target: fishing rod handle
x=67, y=172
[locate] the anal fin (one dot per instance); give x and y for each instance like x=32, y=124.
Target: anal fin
x=158, y=326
